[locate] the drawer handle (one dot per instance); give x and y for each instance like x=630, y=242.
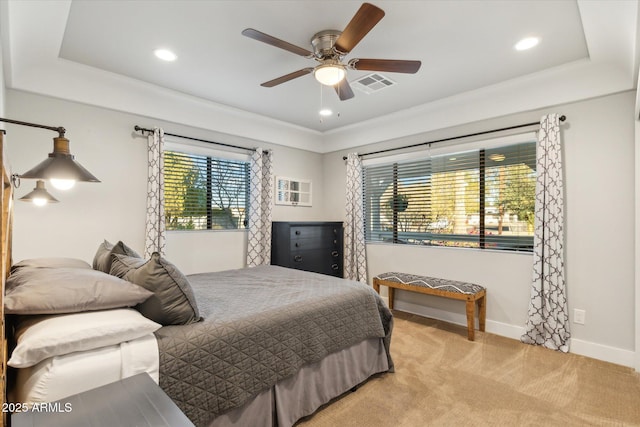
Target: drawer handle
x=297, y=258
x=297, y=232
x=297, y=245
x=334, y=266
x=334, y=253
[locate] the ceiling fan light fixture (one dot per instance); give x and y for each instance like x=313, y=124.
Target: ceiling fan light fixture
x=330, y=74
x=329, y=49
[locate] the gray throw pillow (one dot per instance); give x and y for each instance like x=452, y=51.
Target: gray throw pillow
x=102, y=259
x=173, y=302
x=68, y=290
x=122, y=264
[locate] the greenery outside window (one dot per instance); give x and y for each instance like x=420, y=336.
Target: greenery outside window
x=482, y=198
x=204, y=192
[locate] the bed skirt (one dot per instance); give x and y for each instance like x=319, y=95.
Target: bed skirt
x=311, y=387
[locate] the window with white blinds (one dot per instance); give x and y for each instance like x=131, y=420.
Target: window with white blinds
x=483, y=198
x=205, y=193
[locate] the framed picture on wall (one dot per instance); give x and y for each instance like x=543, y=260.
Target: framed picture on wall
x=293, y=191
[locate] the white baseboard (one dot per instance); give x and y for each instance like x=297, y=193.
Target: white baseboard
x=602, y=352
x=607, y=353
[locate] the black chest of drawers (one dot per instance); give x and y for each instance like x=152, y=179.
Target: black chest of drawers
x=309, y=246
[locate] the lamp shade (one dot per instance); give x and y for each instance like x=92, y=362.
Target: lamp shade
x=329, y=74
x=39, y=196
x=60, y=165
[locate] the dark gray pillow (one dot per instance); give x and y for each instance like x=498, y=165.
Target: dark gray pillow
x=122, y=264
x=102, y=259
x=172, y=302
x=68, y=290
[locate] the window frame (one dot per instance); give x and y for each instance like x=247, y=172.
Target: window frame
x=201, y=149
x=518, y=244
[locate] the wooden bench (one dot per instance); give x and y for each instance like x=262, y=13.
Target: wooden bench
x=469, y=292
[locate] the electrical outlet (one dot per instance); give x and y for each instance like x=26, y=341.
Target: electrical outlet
x=579, y=316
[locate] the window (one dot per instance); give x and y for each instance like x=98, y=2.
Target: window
x=205, y=193
x=481, y=198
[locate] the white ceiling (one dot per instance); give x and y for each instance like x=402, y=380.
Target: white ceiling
x=101, y=53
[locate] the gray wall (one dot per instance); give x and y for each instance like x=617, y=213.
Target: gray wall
x=637, y=237
x=598, y=140
x=103, y=141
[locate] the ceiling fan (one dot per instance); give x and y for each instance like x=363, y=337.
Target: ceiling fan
x=329, y=49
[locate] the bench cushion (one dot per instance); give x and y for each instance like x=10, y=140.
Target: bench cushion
x=431, y=282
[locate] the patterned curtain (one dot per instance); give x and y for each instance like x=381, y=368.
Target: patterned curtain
x=155, y=224
x=261, y=195
x=548, y=323
x=355, y=257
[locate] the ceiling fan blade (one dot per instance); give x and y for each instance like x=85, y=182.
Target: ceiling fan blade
x=266, y=38
x=362, y=22
x=390, y=65
x=287, y=77
x=343, y=89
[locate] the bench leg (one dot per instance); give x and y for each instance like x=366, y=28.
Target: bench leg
x=471, y=309
x=482, y=312
x=376, y=287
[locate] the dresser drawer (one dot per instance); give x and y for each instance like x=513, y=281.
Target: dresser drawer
x=313, y=237
x=308, y=243
x=317, y=260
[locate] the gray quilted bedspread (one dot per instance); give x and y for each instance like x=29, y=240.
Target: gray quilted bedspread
x=261, y=325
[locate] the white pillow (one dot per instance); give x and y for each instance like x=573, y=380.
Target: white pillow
x=41, y=337
x=68, y=374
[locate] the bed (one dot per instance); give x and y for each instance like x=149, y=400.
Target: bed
x=261, y=346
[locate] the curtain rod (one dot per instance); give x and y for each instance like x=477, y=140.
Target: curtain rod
x=143, y=130
x=562, y=119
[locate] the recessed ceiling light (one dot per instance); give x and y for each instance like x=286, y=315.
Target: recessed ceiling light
x=325, y=112
x=497, y=157
x=165, y=55
x=527, y=43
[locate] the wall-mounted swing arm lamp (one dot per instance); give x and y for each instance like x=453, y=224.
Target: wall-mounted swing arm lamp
x=39, y=196
x=60, y=168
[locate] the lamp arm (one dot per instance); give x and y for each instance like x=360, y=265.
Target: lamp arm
x=61, y=131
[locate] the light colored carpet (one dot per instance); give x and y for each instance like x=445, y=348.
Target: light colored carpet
x=442, y=379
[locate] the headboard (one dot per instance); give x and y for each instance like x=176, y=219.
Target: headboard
x=6, y=207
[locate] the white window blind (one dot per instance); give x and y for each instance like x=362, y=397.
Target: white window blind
x=204, y=192
x=482, y=198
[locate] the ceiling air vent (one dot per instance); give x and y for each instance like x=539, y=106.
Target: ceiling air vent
x=372, y=83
